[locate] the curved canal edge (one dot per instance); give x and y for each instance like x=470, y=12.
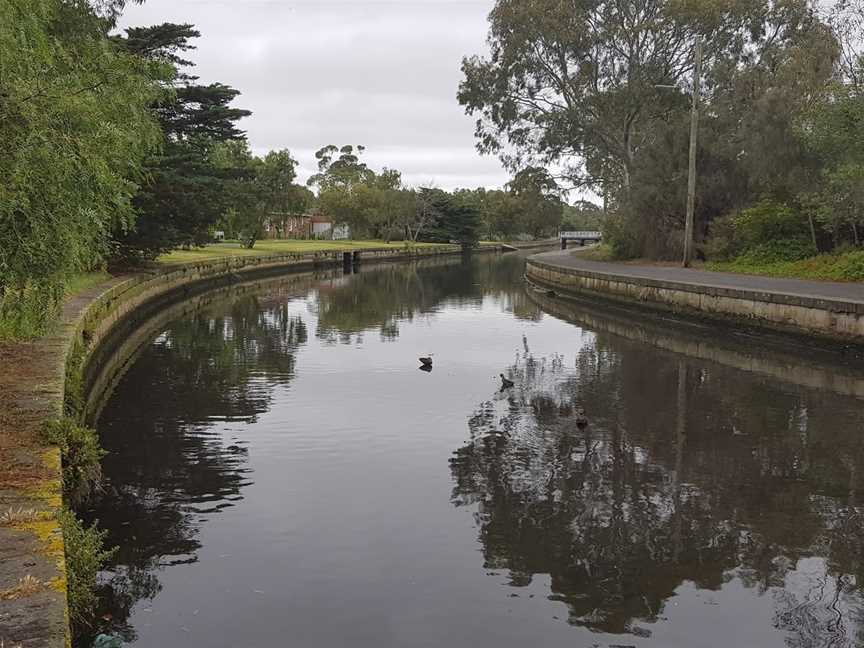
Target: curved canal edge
x=829, y=311
x=56, y=378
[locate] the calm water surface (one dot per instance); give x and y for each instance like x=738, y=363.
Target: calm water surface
x=282, y=474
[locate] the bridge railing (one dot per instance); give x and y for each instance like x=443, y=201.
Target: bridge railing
x=580, y=234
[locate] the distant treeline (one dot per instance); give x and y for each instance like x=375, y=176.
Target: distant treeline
x=378, y=205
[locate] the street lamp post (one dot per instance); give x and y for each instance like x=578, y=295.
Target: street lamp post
x=691, y=177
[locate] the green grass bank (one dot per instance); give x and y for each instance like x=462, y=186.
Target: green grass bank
x=844, y=266
x=269, y=247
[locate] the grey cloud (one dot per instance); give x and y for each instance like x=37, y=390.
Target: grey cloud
x=382, y=74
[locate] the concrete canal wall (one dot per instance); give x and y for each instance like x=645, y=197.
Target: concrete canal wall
x=829, y=311
x=772, y=357
x=57, y=376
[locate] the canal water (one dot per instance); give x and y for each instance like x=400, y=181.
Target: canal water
x=282, y=473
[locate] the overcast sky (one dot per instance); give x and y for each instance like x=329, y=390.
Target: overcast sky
x=314, y=72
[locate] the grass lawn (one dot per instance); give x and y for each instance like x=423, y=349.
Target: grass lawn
x=848, y=266
x=269, y=246
x=599, y=252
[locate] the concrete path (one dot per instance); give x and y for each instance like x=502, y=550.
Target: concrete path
x=835, y=291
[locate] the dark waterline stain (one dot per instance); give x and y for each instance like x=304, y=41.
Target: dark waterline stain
x=280, y=473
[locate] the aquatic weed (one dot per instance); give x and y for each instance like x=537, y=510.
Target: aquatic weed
x=81, y=456
x=85, y=555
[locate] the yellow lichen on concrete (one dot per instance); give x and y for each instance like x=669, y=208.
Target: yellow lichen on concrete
x=46, y=526
x=49, y=534
x=51, y=492
x=58, y=584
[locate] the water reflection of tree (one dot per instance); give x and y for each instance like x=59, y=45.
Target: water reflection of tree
x=382, y=298
x=166, y=465
x=687, y=472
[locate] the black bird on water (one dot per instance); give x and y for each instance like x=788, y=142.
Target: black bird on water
x=581, y=419
x=506, y=383
x=426, y=362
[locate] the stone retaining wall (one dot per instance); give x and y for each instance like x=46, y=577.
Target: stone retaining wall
x=713, y=342
x=831, y=319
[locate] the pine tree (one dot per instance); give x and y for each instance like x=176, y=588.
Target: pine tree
x=186, y=193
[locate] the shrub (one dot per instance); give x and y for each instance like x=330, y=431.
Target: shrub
x=722, y=244
x=778, y=250
x=767, y=232
x=81, y=454
x=621, y=237
x=848, y=266
x=85, y=555
x=768, y=221
x=28, y=312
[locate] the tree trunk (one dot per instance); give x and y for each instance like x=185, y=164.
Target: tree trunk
x=812, y=231
x=626, y=169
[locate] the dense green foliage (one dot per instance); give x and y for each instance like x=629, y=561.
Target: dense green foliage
x=85, y=555
x=450, y=217
x=601, y=91
x=106, y=150
x=531, y=205
x=186, y=190
x=74, y=130
x=378, y=205
x=370, y=204
x=259, y=190
x=766, y=232
x=80, y=453
x=583, y=215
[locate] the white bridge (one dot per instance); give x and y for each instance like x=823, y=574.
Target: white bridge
x=583, y=237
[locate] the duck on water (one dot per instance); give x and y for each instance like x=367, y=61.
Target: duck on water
x=581, y=419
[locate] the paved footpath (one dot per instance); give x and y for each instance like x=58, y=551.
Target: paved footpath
x=831, y=290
